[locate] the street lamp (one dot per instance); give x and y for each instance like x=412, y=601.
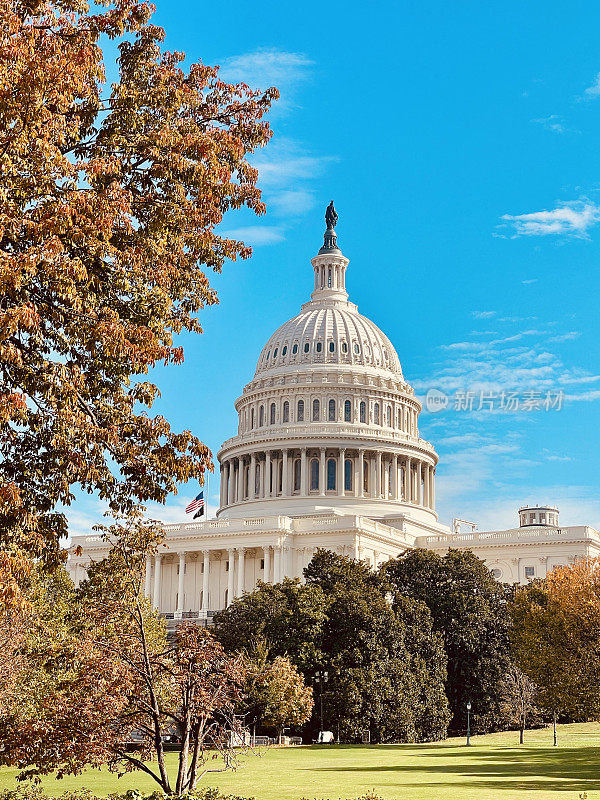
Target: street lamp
x=321, y=677
x=468, y=723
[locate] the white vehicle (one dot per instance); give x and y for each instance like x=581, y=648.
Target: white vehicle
x=325, y=737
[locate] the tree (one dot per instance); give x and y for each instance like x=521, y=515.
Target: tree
x=518, y=699
x=556, y=638
x=99, y=674
x=276, y=693
x=469, y=609
x=109, y=203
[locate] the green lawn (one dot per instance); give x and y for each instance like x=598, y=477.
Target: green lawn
x=494, y=768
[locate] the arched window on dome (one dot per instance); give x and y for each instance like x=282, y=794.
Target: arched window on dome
x=376, y=413
x=316, y=410
x=272, y=414
x=294, y=349
x=300, y=414
x=319, y=346
x=344, y=347
x=347, y=475
x=261, y=416
x=363, y=411
x=314, y=475
x=347, y=411
x=366, y=477
x=284, y=351
x=275, y=353
x=331, y=414
x=331, y=469
x=389, y=416
x=251, y=419
x=356, y=348
x=306, y=347
x=332, y=347
x=286, y=411
x=297, y=468
x=268, y=354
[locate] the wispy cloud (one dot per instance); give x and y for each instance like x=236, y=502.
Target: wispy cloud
x=552, y=123
x=569, y=219
x=593, y=91
x=256, y=235
x=529, y=281
x=565, y=337
x=484, y=314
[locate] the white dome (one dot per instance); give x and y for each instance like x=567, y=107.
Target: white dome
x=328, y=332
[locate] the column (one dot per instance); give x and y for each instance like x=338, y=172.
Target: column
x=428, y=486
x=361, y=473
x=277, y=564
x=408, y=480
x=342, y=476
x=148, y=578
x=261, y=478
x=379, y=485
x=156, y=592
x=267, y=570
x=230, y=556
x=284, y=473
x=222, y=486
x=229, y=483
x=180, y=583
x=267, y=480
x=240, y=486
x=303, y=473
x=395, y=478
x=433, y=488
x=419, y=483
x=252, y=478
x=205, y=575
x=322, y=472
x=372, y=476
x=240, y=575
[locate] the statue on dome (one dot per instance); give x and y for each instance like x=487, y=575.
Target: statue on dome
x=331, y=216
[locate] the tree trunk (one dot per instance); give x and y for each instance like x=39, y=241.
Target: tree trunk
x=183, y=755
x=521, y=734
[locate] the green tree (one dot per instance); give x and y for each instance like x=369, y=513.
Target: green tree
x=469, y=610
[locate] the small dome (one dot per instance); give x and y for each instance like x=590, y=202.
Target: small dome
x=328, y=332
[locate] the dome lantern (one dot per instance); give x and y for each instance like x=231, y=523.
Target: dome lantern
x=330, y=264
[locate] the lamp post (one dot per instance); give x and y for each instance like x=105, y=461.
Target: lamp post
x=321, y=677
x=468, y=723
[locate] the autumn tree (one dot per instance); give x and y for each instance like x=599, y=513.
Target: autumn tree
x=556, y=638
x=276, y=693
x=469, y=610
x=98, y=671
x=110, y=199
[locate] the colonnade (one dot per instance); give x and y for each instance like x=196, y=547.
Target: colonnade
x=339, y=472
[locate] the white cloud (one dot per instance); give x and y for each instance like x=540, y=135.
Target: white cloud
x=593, y=91
x=292, y=202
x=483, y=314
x=256, y=235
x=552, y=123
x=570, y=219
x=529, y=281
x=565, y=337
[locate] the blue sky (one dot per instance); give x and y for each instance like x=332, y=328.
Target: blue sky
x=460, y=144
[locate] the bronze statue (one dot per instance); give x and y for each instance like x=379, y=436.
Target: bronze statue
x=331, y=216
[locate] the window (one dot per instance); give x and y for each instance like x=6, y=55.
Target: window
x=347, y=411
x=363, y=411
x=306, y=347
x=284, y=351
x=227, y=566
x=262, y=563
x=331, y=465
x=530, y=572
x=532, y=518
x=497, y=573
x=344, y=347
x=252, y=418
x=268, y=355
x=331, y=347
x=319, y=347
x=261, y=416
x=357, y=349
x=329, y=278
x=272, y=415
x=294, y=349
x=347, y=475
x=331, y=415
x=286, y=411
x=314, y=475
x=275, y=353
x=376, y=414
x=316, y=411
x=389, y=416
x=366, y=477
x=300, y=414
x=297, y=468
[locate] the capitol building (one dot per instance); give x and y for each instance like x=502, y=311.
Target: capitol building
x=327, y=454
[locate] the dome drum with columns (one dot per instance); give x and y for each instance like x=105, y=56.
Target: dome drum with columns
x=327, y=455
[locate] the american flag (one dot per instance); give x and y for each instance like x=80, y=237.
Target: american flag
x=197, y=503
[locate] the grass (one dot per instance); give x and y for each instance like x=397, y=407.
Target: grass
x=493, y=768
